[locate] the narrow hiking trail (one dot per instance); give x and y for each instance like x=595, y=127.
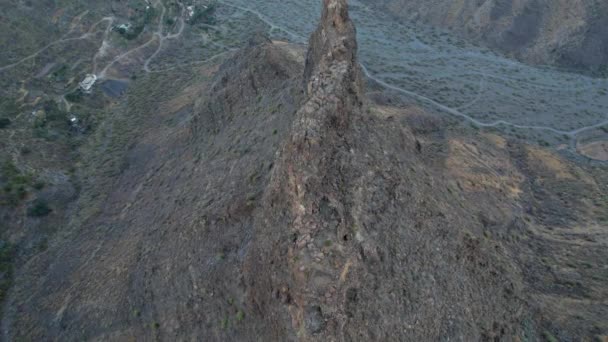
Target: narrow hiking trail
x=159, y=37
x=75, y=21
x=496, y=123
x=162, y=37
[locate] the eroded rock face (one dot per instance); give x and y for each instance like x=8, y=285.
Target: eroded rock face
x=568, y=33
x=304, y=207
x=356, y=241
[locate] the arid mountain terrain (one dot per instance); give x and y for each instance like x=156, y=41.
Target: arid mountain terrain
x=568, y=33
x=228, y=179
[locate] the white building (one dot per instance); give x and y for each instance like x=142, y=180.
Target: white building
x=88, y=82
x=190, y=10
x=124, y=27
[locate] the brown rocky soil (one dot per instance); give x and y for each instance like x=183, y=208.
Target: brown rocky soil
x=597, y=150
x=276, y=202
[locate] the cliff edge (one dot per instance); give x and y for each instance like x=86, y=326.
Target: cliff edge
x=355, y=240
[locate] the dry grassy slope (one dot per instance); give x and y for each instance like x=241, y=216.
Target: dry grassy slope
x=153, y=250
x=547, y=212
x=564, y=32
x=252, y=208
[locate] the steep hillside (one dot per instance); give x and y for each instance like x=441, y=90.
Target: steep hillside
x=567, y=33
x=272, y=198
x=153, y=250
x=358, y=241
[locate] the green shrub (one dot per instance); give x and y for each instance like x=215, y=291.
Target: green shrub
x=39, y=185
x=4, y=122
x=549, y=337
x=9, y=170
x=60, y=74
x=75, y=96
x=15, y=184
x=7, y=252
x=133, y=32
x=39, y=208
x=204, y=15
x=53, y=113
x=150, y=15
x=225, y=323
x=9, y=107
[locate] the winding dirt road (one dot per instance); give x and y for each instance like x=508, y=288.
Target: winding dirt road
x=161, y=37
x=455, y=112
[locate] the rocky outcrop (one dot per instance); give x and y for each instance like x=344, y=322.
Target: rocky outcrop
x=354, y=240
x=567, y=33
x=304, y=206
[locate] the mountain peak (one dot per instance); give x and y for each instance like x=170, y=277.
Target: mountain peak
x=307, y=196
x=332, y=53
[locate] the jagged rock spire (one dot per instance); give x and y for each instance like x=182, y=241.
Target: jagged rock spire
x=333, y=43
x=310, y=192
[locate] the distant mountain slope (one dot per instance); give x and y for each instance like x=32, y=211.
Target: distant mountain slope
x=568, y=33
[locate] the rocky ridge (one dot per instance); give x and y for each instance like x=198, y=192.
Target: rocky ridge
x=276, y=201
x=355, y=237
